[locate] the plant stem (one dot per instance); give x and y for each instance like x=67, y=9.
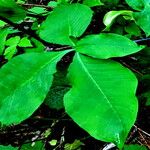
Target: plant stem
x=36, y=5
x=142, y=40
x=25, y=31
x=131, y=68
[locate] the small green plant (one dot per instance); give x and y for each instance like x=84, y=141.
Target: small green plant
x=101, y=98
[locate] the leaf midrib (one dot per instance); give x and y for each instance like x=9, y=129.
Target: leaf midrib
x=95, y=83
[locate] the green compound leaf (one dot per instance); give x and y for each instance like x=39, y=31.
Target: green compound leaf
x=10, y=10
x=100, y=100
x=107, y=45
x=134, y=147
x=65, y=21
x=110, y=17
x=3, y=35
x=92, y=3
x=142, y=19
x=25, y=81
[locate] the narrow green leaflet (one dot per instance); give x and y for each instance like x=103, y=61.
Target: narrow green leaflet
x=7, y=148
x=65, y=21
x=3, y=35
x=110, y=17
x=25, y=81
x=134, y=147
x=107, y=45
x=10, y=10
x=136, y=4
x=142, y=19
x=92, y=3
x=102, y=98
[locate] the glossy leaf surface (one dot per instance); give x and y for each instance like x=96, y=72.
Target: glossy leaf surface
x=25, y=81
x=65, y=21
x=100, y=101
x=107, y=45
x=142, y=18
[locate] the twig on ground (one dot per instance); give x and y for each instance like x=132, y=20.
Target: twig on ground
x=142, y=131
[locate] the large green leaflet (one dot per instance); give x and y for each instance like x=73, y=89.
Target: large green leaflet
x=142, y=18
x=25, y=81
x=10, y=10
x=102, y=99
x=136, y=4
x=107, y=45
x=65, y=21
